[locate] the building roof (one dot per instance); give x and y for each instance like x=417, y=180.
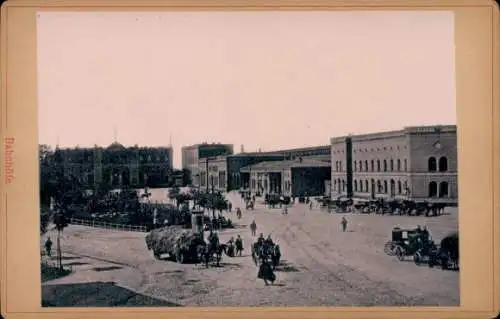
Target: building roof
x=207, y=145
x=395, y=133
x=282, y=165
x=291, y=150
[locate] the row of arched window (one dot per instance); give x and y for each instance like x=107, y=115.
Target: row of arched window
x=376, y=166
x=435, y=165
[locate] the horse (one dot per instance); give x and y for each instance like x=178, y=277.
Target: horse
x=210, y=252
x=229, y=249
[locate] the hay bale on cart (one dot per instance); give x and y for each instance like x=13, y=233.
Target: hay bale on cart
x=176, y=241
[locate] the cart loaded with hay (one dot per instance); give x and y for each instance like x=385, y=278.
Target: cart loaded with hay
x=180, y=243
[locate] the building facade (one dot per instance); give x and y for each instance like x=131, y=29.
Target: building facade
x=117, y=165
x=418, y=163
x=224, y=172
x=191, y=156
x=297, y=177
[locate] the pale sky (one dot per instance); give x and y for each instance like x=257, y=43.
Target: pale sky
x=266, y=80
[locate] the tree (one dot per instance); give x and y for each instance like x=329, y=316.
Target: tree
x=45, y=218
x=69, y=200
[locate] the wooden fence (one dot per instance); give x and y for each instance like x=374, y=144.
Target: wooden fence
x=106, y=225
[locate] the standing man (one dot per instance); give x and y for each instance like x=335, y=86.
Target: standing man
x=253, y=227
x=344, y=224
x=48, y=247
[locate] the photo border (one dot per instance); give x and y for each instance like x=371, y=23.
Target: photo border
x=477, y=74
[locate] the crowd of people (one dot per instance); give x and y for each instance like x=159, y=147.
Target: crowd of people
x=265, y=252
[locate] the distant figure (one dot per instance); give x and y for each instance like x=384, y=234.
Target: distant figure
x=229, y=207
x=239, y=245
x=253, y=227
x=268, y=241
x=231, y=247
x=48, y=247
x=310, y=205
x=285, y=210
x=344, y=224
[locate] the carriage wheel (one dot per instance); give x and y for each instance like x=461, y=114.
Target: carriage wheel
x=399, y=252
x=444, y=262
x=417, y=258
x=389, y=248
x=179, y=257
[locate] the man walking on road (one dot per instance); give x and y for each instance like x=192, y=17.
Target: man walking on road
x=344, y=224
x=253, y=228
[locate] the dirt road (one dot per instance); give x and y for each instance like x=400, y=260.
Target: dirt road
x=322, y=265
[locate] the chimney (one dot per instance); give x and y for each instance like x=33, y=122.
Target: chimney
x=242, y=149
x=260, y=150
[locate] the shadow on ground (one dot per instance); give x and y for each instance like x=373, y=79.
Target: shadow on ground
x=286, y=267
x=97, y=294
x=65, y=257
x=106, y=268
x=51, y=272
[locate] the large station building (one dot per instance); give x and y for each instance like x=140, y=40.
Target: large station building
x=117, y=165
x=191, y=156
x=418, y=163
x=296, y=177
x=225, y=172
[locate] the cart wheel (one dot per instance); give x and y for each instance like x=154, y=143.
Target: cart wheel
x=179, y=257
x=444, y=262
x=400, y=253
x=417, y=258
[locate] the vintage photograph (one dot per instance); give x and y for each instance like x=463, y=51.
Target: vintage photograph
x=247, y=159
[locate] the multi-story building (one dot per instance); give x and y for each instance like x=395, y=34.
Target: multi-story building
x=191, y=156
x=117, y=165
x=417, y=163
x=225, y=171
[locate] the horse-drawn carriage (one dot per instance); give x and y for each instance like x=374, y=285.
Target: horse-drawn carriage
x=176, y=241
x=184, y=245
x=410, y=242
x=417, y=244
x=276, y=199
x=447, y=256
x=399, y=206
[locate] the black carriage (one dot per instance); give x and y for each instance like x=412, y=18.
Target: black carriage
x=410, y=242
x=447, y=256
